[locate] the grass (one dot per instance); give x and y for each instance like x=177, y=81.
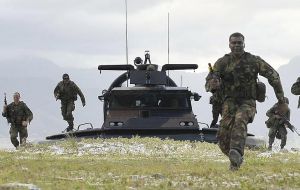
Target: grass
x=145, y=163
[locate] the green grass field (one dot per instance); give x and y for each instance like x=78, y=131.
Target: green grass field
x=144, y=163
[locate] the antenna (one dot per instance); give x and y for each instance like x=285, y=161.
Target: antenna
x=180, y=80
x=168, y=43
x=126, y=34
x=168, y=39
x=126, y=38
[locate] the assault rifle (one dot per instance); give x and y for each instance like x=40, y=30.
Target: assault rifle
x=5, y=101
x=210, y=68
x=289, y=125
x=5, y=104
x=212, y=80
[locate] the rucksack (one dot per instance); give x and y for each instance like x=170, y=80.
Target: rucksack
x=260, y=91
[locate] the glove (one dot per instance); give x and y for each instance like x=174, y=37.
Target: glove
x=83, y=104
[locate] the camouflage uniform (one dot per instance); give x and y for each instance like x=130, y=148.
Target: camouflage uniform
x=276, y=125
x=239, y=79
x=216, y=100
x=16, y=114
x=296, y=89
x=67, y=93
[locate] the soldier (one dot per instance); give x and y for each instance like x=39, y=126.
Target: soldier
x=67, y=92
x=277, y=114
x=296, y=89
x=216, y=100
x=19, y=116
x=238, y=72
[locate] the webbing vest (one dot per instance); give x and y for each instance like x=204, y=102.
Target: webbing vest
x=240, y=77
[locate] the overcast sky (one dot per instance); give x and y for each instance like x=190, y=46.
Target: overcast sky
x=87, y=33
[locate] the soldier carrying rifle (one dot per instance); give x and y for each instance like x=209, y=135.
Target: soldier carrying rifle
x=19, y=116
x=238, y=72
x=217, y=98
x=278, y=115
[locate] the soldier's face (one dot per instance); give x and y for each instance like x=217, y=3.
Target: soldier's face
x=66, y=80
x=237, y=45
x=16, y=98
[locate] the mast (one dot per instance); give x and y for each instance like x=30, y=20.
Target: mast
x=126, y=33
x=168, y=39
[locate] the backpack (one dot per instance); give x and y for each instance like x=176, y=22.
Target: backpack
x=260, y=91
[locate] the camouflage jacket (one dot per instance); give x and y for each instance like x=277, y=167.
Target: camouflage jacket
x=217, y=98
x=296, y=89
x=16, y=113
x=273, y=121
x=239, y=75
x=68, y=91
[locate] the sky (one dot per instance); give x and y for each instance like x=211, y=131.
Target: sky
x=84, y=34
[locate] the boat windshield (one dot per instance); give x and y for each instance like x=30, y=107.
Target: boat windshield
x=170, y=100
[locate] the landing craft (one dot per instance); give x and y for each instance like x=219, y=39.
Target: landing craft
x=152, y=106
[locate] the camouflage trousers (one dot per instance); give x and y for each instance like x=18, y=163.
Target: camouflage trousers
x=14, y=131
x=67, y=107
x=216, y=111
x=278, y=131
x=233, y=125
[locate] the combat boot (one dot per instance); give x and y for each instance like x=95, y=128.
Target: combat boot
x=282, y=149
x=271, y=141
x=270, y=147
x=236, y=159
x=232, y=167
x=70, y=127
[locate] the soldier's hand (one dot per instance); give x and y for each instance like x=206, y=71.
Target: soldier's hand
x=281, y=100
x=25, y=123
x=83, y=104
x=56, y=96
x=277, y=116
x=213, y=84
x=4, y=108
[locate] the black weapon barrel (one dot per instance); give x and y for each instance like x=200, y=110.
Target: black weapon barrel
x=5, y=101
x=179, y=66
x=116, y=67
